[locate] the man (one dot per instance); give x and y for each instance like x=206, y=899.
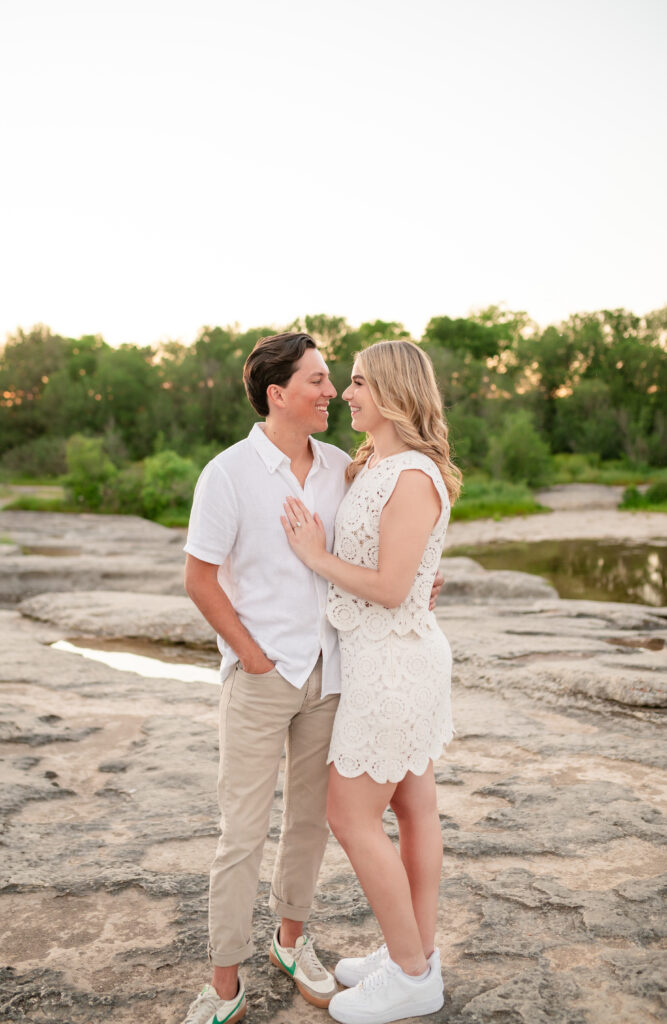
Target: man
x=279, y=671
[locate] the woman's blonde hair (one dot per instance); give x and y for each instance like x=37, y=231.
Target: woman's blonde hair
x=402, y=382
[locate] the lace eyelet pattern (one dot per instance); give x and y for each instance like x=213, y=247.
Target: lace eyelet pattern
x=395, y=712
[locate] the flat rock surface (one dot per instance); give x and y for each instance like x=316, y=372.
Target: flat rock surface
x=467, y=581
x=55, y=552
x=119, y=613
x=580, y=496
x=565, y=524
x=551, y=796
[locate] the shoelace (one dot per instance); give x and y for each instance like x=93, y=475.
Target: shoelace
x=306, y=958
x=204, y=1001
x=377, y=956
x=375, y=980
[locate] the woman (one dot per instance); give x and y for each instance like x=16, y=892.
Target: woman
x=394, y=715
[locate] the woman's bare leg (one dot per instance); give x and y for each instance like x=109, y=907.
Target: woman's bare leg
x=355, y=808
x=415, y=804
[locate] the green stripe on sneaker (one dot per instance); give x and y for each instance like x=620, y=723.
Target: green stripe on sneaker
x=221, y=1020
x=289, y=969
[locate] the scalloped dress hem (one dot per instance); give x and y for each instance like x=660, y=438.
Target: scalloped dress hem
x=383, y=777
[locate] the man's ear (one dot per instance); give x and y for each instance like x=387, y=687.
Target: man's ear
x=274, y=394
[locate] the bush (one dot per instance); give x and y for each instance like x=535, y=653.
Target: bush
x=654, y=498
x=125, y=496
x=632, y=498
x=43, y=457
x=657, y=493
x=200, y=454
x=91, y=472
x=469, y=437
x=168, y=484
x=519, y=453
x=571, y=469
x=494, y=499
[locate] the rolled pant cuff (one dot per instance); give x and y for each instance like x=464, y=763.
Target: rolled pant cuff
x=237, y=956
x=288, y=910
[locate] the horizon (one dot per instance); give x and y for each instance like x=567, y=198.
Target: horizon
x=170, y=169
x=276, y=327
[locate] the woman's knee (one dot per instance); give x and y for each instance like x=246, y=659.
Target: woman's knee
x=411, y=811
x=350, y=829
x=339, y=819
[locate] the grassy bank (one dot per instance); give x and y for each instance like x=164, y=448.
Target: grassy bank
x=654, y=499
x=32, y=503
x=587, y=469
x=481, y=498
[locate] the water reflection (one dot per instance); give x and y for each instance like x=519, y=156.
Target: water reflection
x=153, y=668
x=584, y=569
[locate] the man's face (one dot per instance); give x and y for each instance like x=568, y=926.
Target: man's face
x=308, y=393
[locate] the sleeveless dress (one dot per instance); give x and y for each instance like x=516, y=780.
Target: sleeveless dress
x=395, y=709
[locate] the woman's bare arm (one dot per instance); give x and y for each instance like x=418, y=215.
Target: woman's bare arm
x=405, y=526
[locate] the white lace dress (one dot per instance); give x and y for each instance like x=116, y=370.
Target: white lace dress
x=395, y=709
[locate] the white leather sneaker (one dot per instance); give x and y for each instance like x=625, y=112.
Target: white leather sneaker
x=388, y=994
x=352, y=969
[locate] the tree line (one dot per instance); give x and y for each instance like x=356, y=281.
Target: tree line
x=515, y=394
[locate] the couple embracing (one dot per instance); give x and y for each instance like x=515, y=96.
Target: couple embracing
x=316, y=572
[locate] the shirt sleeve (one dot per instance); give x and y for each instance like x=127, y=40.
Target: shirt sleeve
x=214, y=516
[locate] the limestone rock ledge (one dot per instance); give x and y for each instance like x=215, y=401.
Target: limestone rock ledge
x=119, y=613
x=551, y=797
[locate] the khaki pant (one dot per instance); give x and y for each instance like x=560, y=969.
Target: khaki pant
x=259, y=716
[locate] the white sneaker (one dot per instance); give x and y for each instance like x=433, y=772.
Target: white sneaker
x=209, y=1008
x=300, y=963
x=387, y=995
x=352, y=969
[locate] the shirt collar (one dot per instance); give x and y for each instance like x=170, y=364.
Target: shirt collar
x=272, y=457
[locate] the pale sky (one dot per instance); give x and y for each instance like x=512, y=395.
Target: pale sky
x=172, y=164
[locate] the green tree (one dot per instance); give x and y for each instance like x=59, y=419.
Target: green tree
x=469, y=437
x=124, y=388
x=585, y=421
x=68, y=405
x=27, y=362
x=330, y=333
x=478, y=341
x=518, y=453
x=90, y=471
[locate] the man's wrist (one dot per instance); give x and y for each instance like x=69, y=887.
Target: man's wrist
x=250, y=656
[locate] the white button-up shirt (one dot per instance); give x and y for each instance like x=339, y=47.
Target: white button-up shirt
x=235, y=524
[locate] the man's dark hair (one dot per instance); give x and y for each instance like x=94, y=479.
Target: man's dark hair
x=272, y=362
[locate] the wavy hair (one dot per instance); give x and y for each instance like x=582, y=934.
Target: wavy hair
x=272, y=361
x=402, y=382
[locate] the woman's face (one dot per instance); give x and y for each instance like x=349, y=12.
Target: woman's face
x=365, y=413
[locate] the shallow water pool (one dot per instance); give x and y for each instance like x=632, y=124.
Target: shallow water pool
x=132, y=656
x=584, y=569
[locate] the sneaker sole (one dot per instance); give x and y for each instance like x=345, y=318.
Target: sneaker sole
x=310, y=997
x=240, y=1013
x=416, y=1010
